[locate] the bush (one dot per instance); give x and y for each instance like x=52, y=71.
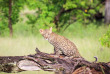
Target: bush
x=105, y=39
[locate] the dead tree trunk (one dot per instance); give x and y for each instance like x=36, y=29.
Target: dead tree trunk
x=9, y=18
x=49, y=62
x=107, y=12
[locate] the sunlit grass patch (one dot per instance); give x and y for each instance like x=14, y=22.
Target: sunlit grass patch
x=23, y=46
x=87, y=47
x=86, y=40
x=31, y=72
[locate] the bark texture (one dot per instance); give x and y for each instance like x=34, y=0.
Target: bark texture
x=50, y=62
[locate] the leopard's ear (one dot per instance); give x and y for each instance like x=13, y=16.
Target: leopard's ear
x=41, y=31
x=50, y=29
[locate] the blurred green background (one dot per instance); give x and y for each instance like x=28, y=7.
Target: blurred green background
x=84, y=22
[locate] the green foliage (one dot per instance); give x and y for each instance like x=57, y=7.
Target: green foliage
x=87, y=7
x=92, y=11
x=105, y=40
x=17, y=5
x=70, y=4
x=46, y=11
x=4, y=31
x=45, y=16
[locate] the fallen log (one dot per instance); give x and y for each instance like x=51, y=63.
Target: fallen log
x=50, y=62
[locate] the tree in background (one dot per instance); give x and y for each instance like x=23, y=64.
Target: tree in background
x=9, y=10
x=9, y=18
x=107, y=12
x=60, y=14
x=51, y=13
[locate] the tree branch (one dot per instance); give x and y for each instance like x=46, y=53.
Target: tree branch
x=50, y=62
x=62, y=11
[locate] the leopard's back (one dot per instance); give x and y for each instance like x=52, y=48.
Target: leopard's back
x=64, y=45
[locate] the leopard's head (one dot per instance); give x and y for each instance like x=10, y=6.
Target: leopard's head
x=46, y=33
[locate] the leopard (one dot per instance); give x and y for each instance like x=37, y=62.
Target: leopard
x=62, y=45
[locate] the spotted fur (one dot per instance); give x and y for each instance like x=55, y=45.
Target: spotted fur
x=61, y=44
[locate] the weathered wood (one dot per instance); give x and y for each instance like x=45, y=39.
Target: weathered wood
x=8, y=63
x=50, y=62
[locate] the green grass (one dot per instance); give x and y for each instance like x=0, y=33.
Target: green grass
x=85, y=38
x=24, y=46
x=30, y=72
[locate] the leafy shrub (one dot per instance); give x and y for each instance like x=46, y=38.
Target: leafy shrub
x=105, y=39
